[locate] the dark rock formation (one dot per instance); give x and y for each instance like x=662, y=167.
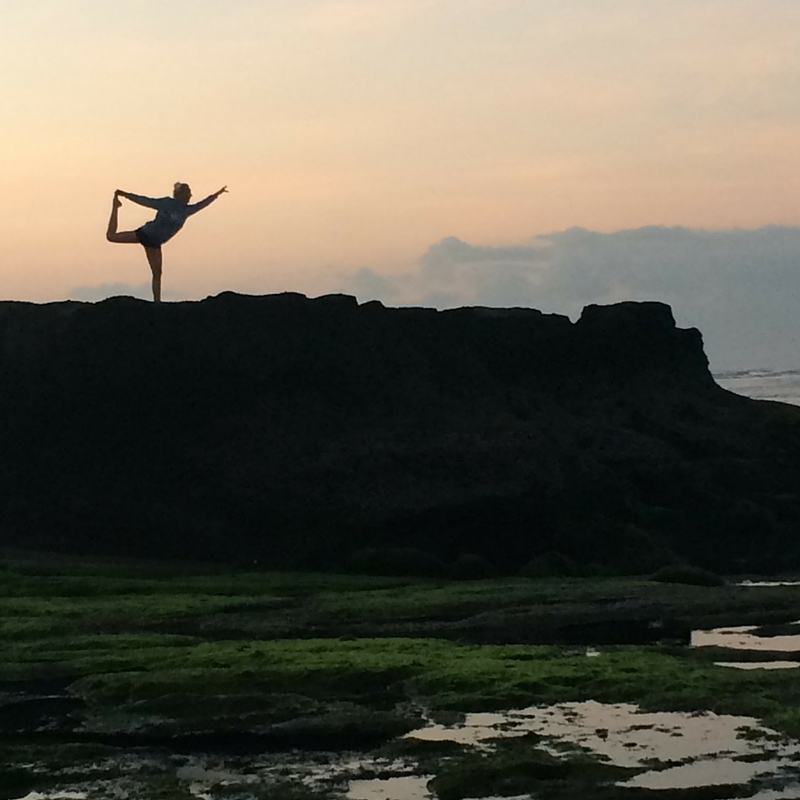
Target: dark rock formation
x=295, y=432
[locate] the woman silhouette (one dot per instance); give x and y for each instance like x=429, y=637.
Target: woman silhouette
x=172, y=213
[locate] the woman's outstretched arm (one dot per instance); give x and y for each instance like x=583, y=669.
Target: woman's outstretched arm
x=195, y=207
x=148, y=202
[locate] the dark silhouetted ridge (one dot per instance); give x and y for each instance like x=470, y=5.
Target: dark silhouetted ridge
x=298, y=431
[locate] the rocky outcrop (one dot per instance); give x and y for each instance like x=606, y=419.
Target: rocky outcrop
x=294, y=431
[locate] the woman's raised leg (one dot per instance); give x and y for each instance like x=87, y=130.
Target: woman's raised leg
x=122, y=237
x=154, y=260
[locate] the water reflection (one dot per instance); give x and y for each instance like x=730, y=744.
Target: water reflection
x=718, y=772
x=769, y=583
x=55, y=796
x=787, y=793
x=758, y=664
x=674, y=750
x=200, y=777
x=742, y=637
x=712, y=748
x=410, y=787
x=619, y=733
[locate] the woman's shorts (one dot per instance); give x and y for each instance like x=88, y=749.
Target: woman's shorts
x=146, y=239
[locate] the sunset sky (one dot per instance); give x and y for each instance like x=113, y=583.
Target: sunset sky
x=356, y=134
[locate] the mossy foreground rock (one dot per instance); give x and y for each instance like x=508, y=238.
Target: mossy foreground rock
x=297, y=432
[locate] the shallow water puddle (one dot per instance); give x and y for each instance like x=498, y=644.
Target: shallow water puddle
x=314, y=770
x=769, y=583
x=716, y=772
x=674, y=750
x=707, y=744
x=758, y=664
x=411, y=787
x=200, y=777
x=55, y=796
x=787, y=793
x=690, y=749
x=741, y=637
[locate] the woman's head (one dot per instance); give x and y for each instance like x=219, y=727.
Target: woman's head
x=182, y=192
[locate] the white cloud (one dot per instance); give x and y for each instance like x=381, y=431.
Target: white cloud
x=741, y=288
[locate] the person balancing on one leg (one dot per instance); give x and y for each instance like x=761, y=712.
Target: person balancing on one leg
x=172, y=213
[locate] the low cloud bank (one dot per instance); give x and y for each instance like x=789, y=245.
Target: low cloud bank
x=741, y=288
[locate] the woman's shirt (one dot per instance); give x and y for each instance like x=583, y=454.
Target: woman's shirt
x=170, y=217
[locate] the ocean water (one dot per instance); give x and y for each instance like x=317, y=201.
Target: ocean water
x=763, y=384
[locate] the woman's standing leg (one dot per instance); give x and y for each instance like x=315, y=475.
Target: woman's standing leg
x=154, y=260
x=129, y=237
